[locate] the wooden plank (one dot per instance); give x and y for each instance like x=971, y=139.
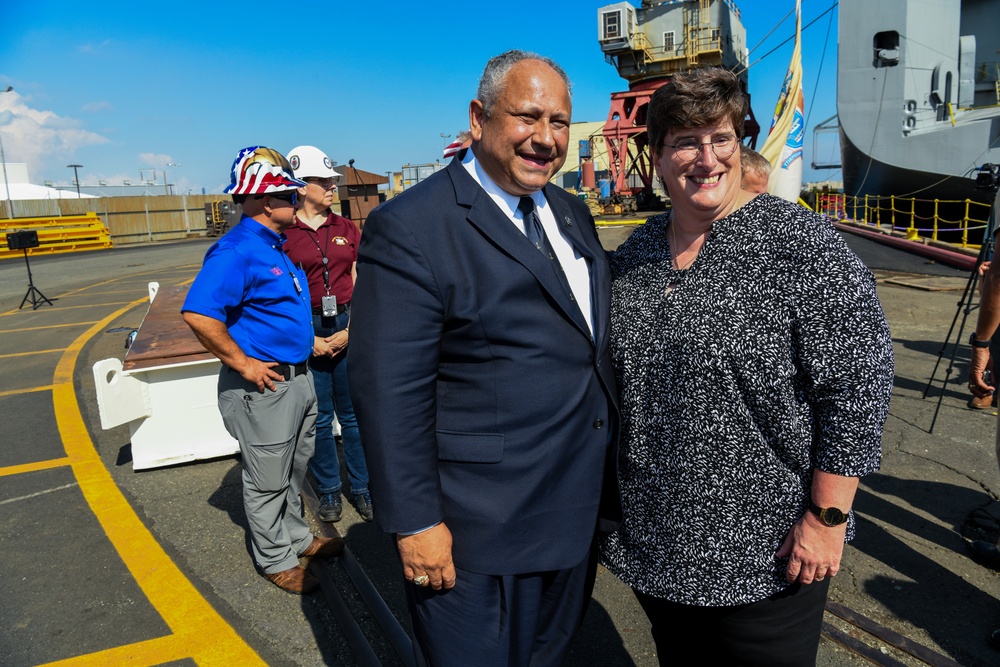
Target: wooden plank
x=164, y=338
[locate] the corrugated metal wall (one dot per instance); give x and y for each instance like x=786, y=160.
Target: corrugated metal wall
x=132, y=219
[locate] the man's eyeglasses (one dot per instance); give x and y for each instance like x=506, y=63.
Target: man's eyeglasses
x=689, y=149
x=289, y=196
x=325, y=183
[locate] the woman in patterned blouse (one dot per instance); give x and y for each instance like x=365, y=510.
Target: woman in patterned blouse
x=755, y=367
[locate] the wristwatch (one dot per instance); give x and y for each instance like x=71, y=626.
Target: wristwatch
x=975, y=342
x=830, y=516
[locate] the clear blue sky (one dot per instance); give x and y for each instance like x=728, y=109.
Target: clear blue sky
x=121, y=88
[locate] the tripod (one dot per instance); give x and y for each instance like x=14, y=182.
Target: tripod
x=35, y=294
x=964, y=307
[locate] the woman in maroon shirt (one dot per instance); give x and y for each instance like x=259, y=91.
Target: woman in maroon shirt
x=325, y=246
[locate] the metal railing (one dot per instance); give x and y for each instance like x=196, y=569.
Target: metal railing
x=959, y=222
x=57, y=234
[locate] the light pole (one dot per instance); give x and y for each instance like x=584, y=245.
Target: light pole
x=444, y=139
x=165, y=185
x=3, y=159
x=76, y=176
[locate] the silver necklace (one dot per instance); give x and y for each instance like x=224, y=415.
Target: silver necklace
x=675, y=252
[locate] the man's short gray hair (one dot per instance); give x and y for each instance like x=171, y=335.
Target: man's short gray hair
x=492, y=82
x=752, y=161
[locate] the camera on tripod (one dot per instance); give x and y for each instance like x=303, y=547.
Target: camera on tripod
x=988, y=177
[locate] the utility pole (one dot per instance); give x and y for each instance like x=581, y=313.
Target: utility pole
x=3, y=159
x=76, y=176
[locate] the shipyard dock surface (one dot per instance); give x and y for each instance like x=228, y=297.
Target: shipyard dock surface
x=105, y=565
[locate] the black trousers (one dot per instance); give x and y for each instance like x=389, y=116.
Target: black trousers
x=779, y=631
x=501, y=620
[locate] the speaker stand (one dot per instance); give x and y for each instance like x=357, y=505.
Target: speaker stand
x=33, y=293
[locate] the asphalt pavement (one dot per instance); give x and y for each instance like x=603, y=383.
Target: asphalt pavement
x=105, y=565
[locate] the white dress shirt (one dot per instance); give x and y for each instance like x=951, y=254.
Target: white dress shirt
x=574, y=265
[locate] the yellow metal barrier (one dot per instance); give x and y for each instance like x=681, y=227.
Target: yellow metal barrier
x=916, y=219
x=57, y=234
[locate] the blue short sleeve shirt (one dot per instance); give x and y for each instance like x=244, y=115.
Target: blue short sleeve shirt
x=247, y=282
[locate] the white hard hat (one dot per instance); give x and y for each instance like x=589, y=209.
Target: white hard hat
x=310, y=162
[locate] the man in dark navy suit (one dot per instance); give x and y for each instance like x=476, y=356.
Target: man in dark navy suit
x=482, y=382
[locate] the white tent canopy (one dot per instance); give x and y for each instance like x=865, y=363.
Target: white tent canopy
x=19, y=191
x=16, y=177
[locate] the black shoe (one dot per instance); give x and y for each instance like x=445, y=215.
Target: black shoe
x=363, y=503
x=985, y=553
x=995, y=639
x=330, y=507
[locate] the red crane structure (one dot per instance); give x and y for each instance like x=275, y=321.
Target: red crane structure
x=648, y=45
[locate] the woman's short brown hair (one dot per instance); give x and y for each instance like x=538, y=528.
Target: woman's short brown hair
x=701, y=97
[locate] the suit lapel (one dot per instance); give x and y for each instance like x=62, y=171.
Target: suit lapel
x=494, y=224
x=571, y=229
x=585, y=242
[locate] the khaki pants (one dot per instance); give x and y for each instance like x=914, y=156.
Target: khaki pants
x=277, y=434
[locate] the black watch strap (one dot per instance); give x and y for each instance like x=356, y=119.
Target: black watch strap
x=830, y=516
x=975, y=342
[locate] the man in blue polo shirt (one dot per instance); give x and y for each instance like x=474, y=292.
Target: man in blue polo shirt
x=249, y=306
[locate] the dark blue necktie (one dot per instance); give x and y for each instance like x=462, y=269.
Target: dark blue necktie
x=536, y=234
x=533, y=228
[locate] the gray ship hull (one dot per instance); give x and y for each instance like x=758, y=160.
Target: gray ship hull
x=917, y=97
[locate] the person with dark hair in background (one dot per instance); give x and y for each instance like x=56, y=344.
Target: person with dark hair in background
x=325, y=246
x=249, y=307
x=483, y=387
x=755, y=368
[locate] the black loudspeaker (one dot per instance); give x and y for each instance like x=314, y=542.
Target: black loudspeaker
x=22, y=240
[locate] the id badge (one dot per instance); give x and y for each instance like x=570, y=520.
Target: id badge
x=329, y=304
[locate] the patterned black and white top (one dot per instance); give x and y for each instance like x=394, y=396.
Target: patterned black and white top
x=768, y=357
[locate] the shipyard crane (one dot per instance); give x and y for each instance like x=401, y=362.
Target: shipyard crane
x=648, y=45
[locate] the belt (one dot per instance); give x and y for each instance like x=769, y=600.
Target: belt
x=341, y=307
x=289, y=371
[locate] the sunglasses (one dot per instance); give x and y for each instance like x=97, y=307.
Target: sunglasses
x=325, y=183
x=289, y=196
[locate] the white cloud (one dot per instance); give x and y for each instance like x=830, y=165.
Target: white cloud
x=40, y=137
x=158, y=160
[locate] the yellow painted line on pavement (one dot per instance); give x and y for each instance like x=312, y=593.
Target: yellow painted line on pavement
x=48, y=326
x=171, y=648
x=206, y=637
x=78, y=293
x=619, y=223
x=61, y=307
x=26, y=390
x=34, y=467
x=25, y=354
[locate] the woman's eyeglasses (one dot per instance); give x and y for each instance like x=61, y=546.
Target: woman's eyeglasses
x=689, y=149
x=325, y=183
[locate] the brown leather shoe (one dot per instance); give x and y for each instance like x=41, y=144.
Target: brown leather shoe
x=294, y=580
x=984, y=403
x=324, y=547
